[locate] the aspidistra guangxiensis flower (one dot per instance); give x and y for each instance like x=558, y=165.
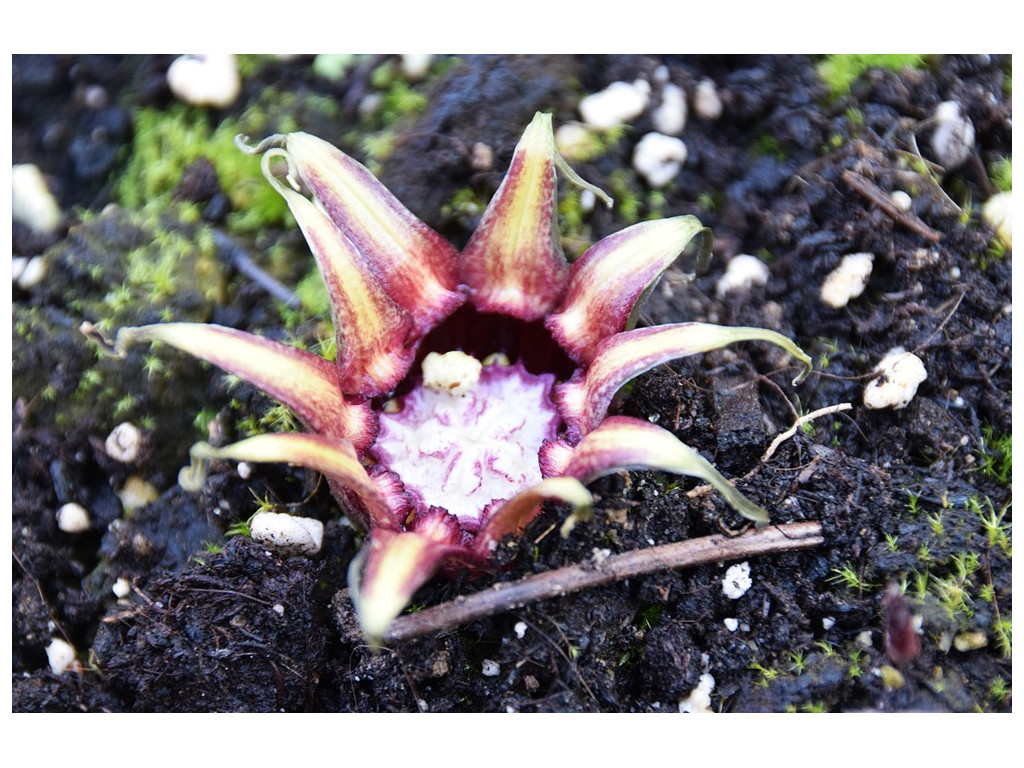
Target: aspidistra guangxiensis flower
x=470, y=387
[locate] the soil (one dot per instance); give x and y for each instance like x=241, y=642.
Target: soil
x=910, y=497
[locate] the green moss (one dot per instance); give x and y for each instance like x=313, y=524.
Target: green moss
x=840, y=71
x=1001, y=173
x=166, y=143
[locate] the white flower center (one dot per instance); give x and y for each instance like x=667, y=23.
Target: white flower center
x=469, y=435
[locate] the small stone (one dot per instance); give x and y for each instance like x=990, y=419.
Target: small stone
x=137, y=492
x=416, y=66
x=205, y=80
x=737, y=581
x=828, y=622
x=617, y=104
x=73, y=518
x=28, y=273
x=901, y=200
x=659, y=158
x=124, y=443
x=520, y=629
x=848, y=280
x=998, y=214
x=864, y=639
x=892, y=678
x=742, y=273
x=575, y=142
x=288, y=533
x=61, y=656
x=900, y=374
x=670, y=116
x=32, y=203
x=731, y=624
x=953, y=139
x=707, y=104
x=481, y=157
x=490, y=668
x=121, y=588
x=970, y=641
x=699, y=699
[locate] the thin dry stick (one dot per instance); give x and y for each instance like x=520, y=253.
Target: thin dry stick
x=508, y=595
x=873, y=193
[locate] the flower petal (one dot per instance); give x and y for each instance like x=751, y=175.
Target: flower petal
x=513, y=263
x=622, y=442
x=304, y=382
x=413, y=263
x=609, y=283
x=336, y=459
x=392, y=565
x=376, y=342
x=584, y=400
x=517, y=512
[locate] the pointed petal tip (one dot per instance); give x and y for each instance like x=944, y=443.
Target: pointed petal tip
x=626, y=443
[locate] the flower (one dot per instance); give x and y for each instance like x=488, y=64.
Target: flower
x=468, y=387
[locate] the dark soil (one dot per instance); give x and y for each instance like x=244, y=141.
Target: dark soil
x=911, y=497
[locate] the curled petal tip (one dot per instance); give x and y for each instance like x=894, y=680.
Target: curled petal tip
x=414, y=265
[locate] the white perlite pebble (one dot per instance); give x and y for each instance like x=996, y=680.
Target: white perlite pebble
x=618, y=103
x=731, y=624
x=61, y=655
x=953, y=139
x=137, y=492
x=415, y=66
x=741, y=273
x=574, y=141
x=122, y=588
x=737, y=581
x=670, y=116
x=998, y=214
x=699, y=699
x=848, y=280
x=658, y=158
x=28, y=273
x=520, y=629
x=288, y=533
x=901, y=199
x=124, y=443
x=32, y=203
x=901, y=372
x=205, y=80
x=706, y=101
x=73, y=518
x=490, y=668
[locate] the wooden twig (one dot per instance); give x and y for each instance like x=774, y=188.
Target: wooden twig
x=874, y=194
x=683, y=554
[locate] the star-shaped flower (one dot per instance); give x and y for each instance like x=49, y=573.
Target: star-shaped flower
x=468, y=387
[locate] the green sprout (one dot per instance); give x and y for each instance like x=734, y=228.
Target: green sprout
x=849, y=578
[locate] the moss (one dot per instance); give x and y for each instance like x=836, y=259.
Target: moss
x=166, y=143
x=1001, y=173
x=840, y=71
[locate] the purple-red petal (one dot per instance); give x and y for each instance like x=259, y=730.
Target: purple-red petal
x=414, y=264
x=513, y=263
x=610, y=281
